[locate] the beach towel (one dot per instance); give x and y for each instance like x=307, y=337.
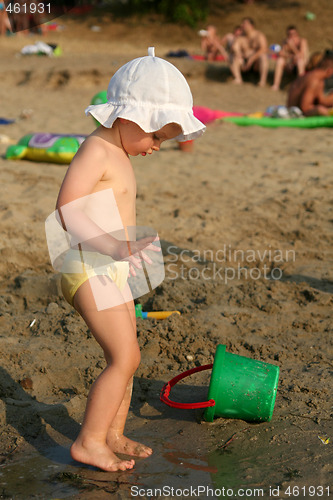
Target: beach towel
x=267, y=121
x=208, y=115
x=4, y=121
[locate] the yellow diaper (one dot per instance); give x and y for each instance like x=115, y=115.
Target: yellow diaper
x=79, y=266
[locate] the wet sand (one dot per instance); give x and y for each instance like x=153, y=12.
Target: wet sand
x=246, y=228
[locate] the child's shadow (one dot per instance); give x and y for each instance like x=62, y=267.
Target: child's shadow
x=32, y=418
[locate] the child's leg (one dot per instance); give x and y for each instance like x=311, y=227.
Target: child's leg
x=115, y=438
x=113, y=330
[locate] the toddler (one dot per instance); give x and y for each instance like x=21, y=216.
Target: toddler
x=149, y=102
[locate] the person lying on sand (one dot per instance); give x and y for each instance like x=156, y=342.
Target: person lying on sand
x=250, y=51
x=307, y=91
x=149, y=102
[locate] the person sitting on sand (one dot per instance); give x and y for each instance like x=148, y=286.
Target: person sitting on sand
x=294, y=54
x=211, y=44
x=228, y=40
x=4, y=20
x=307, y=91
x=250, y=51
x=149, y=102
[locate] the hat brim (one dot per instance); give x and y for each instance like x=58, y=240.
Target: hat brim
x=149, y=119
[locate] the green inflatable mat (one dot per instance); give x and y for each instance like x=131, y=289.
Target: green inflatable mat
x=267, y=121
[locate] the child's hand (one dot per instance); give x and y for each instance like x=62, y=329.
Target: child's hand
x=132, y=251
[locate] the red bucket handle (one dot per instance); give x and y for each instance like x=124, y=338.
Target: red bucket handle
x=164, y=396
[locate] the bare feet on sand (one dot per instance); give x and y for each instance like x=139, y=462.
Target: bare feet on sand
x=122, y=444
x=99, y=455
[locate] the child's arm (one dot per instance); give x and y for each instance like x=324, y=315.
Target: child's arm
x=86, y=170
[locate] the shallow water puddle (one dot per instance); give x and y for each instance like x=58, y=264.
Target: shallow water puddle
x=31, y=476
x=55, y=475
x=170, y=472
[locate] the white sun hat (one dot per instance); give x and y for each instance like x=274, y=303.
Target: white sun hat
x=151, y=92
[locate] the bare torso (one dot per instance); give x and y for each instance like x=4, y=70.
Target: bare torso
x=101, y=164
x=250, y=44
x=98, y=194
x=255, y=41
x=119, y=177
x=294, y=49
x=305, y=91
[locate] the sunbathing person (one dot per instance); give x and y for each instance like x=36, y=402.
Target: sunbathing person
x=308, y=91
x=4, y=20
x=294, y=54
x=250, y=51
x=228, y=41
x=210, y=44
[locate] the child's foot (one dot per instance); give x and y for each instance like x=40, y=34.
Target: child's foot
x=100, y=456
x=122, y=444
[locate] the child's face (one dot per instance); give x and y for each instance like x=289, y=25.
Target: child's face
x=135, y=141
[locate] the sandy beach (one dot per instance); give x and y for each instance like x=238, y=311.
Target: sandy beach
x=246, y=228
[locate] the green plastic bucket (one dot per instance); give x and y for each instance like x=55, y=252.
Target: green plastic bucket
x=239, y=387
x=242, y=387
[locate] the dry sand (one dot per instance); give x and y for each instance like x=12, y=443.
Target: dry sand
x=249, y=189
